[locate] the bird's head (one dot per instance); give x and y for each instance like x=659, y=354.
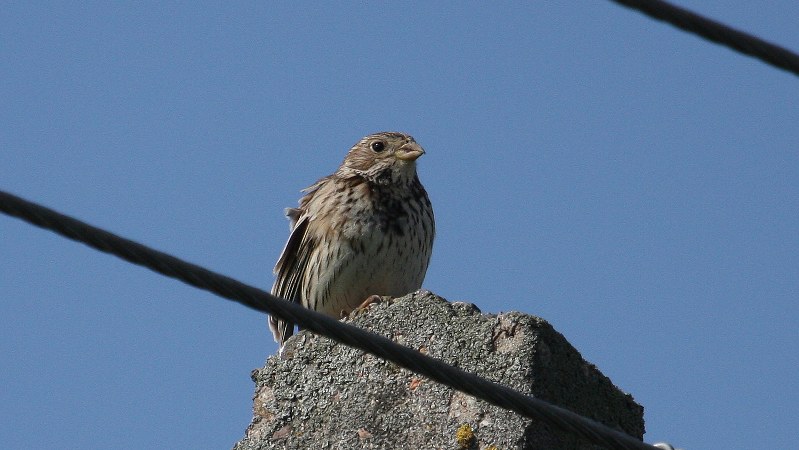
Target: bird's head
x=387, y=157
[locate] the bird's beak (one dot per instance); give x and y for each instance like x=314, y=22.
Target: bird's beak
x=409, y=151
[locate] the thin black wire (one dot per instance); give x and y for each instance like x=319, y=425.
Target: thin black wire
x=717, y=32
x=259, y=300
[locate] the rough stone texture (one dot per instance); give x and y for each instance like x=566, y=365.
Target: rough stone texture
x=322, y=395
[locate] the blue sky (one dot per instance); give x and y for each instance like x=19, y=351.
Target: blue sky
x=634, y=185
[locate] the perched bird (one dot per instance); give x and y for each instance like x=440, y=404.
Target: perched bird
x=365, y=230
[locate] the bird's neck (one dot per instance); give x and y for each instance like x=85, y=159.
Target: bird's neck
x=397, y=176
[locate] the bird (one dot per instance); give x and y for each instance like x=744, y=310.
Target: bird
x=366, y=230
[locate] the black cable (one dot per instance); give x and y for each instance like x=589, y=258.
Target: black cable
x=717, y=32
x=377, y=345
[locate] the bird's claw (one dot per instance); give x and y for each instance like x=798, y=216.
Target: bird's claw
x=372, y=299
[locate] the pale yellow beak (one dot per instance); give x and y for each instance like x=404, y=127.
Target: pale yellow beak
x=409, y=151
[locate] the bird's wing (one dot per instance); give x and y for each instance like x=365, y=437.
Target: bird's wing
x=289, y=270
x=293, y=262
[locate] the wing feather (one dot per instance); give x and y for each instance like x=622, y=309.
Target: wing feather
x=290, y=268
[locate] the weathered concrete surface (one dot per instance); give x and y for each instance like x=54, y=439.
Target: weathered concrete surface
x=322, y=395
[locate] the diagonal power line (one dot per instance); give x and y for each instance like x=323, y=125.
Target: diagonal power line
x=717, y=32
x=377, y=345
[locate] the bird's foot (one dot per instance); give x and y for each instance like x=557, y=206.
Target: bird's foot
x=372, y=299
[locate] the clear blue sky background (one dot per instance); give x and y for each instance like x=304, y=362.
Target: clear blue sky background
x=632, y=184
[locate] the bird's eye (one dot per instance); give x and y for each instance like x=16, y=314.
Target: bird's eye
x=378, y=146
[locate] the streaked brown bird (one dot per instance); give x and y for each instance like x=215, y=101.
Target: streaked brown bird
x=365, y=230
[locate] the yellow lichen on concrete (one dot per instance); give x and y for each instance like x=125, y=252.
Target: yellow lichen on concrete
x=464, y=436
